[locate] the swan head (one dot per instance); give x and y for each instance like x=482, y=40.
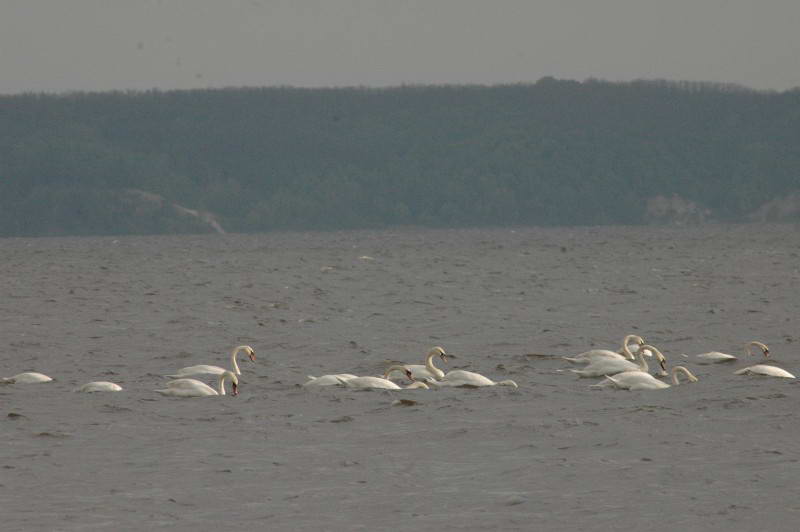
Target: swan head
x=763, y=347
x=440, y=352
x=251, y=353
x=409, y=376
x=234, y=382
x=634, y=339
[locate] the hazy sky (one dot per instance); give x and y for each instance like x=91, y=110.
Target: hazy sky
x=58, y=45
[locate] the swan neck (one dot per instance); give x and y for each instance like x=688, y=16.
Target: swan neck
x=685, y=371
x=626, y=350
x=393, y=369
x=641, y=361
x=433, y=369
x=222, y=383
x=233, y=360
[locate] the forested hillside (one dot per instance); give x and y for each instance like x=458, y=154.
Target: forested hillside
x=550, y=153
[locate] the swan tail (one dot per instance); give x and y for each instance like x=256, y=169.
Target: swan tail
x=573, y=360
x=311, y=377
x=741, y=371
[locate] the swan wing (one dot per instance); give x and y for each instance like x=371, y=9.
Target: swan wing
x=767, y=370
x=370, y=382
x=713, y=357
x=200, y=369
x=29, y=377
x=99, y=386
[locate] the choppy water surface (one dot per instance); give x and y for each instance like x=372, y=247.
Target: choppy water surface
x=721, y=454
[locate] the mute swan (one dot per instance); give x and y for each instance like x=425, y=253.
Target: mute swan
x=195, y=388
x=328, y=380
x=427, y=371
x=368, y=383
x=99, y=386
x=764, y=369
x=610, y=366
x=460, y=377
x=715, y=357
x=203, y=369
x=30, y=377
x=597, y=354
x=639, y=380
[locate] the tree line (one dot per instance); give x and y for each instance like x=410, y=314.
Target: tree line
x=556, y=152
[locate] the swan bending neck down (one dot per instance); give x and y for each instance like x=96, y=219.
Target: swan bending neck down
x=428, y=371
x=640, y=380
x=204, y=369
x=611, y=366
x=195, y=388
x=714, y=357
x=29, y=377
x=594, y=354
x=99, y=386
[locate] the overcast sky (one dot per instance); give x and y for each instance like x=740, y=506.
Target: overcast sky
x=62, y=45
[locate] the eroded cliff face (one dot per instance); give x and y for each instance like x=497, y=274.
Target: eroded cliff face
x=675, y=210
x=783, y=209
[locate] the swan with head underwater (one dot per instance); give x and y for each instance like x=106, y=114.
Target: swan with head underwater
x=29, y=377
x=600, y=354
x=204, y=369
x=195, y=388
x=715, y=357
x=640, y=380
x=611, y=366
x=99, y=386
x=378, y=383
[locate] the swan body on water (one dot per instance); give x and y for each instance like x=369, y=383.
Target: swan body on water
x=29, y=377
x=766, y=370
x=379, y=383
x=99, y=386
x=428, y=370
x=640, y=380
x=600, y=354
x=328, y=380
x=715, y=357
x=611, y=366
x=460, y=377
x=195, y=388
x=204, y=369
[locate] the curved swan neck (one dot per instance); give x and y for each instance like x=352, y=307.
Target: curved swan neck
x=749, y=347
x=429, y=363
x=627, y=340
x=233, y=361
x=680, y=369
x=393, y=369
x=234, y=381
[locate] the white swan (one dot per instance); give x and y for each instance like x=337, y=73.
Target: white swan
x=610, y=366
x=99, y=386
x=370, y=383
x=597, y=354
x=427, y=371
x=715, y=357
x=766, y=370
x=203, y=369
x=328, y=380
x=639, y=380
x=459, y=377
x=195, y=388
x=29, y=377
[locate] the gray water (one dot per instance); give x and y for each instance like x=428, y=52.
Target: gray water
x=721, y=454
